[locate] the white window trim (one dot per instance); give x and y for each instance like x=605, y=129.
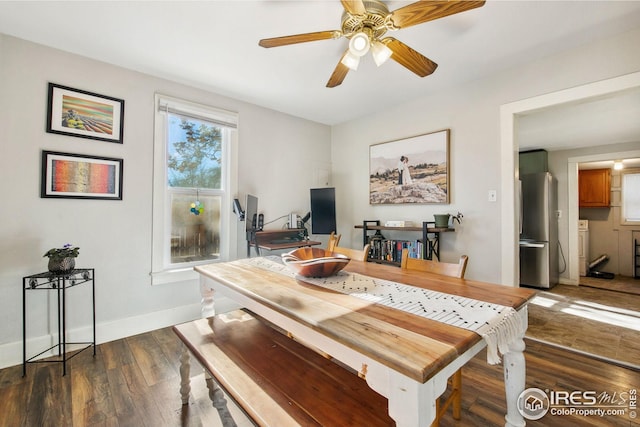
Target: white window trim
x=161, y=271
x=623, y=219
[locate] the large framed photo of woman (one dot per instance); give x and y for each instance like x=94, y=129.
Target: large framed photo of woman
x=410, y=170
x=84, y=114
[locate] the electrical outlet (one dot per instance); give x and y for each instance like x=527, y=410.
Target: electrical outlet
x=493, y=195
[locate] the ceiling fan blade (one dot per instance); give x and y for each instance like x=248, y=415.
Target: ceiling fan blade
x=354, y=7
x=410, y=58
x=427, y=10
x=339, y=73
x=300, y=38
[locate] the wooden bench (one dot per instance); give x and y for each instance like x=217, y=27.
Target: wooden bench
x=277, y=381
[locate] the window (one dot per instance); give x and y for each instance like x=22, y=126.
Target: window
x=193, y=146
x=631, y=197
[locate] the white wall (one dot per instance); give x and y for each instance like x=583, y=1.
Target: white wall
x=279, y=156
x=472, y=112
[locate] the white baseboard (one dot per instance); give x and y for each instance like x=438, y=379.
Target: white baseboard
x=11, y=353
x=121, y=328
x=567, y=281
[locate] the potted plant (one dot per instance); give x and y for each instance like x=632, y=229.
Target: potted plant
x=62, y=259
x=442, y=220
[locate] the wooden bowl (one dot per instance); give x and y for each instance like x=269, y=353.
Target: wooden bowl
x=314, y=262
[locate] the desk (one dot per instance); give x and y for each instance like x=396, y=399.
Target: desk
x=404, y=357
x=274, y=240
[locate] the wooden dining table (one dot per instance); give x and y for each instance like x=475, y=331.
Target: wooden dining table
x=402, y=356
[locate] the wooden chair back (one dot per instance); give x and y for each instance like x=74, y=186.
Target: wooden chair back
x=334, y=239
x=444, y=268
x=357, y=254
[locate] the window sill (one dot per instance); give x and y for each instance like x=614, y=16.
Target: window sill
x=179, y=274
x=173, y=276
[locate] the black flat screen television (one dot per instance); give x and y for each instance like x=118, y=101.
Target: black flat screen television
x=251, y=213
x=323, y=210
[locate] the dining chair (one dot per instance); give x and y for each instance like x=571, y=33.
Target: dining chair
x=334, y=239
x=448, y=269
x=453, y=270
x=357, y=254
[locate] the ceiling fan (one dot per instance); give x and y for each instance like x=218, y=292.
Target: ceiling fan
x=365, y=23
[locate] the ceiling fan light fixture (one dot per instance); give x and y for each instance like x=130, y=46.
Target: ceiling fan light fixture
x=365, y=22
x=359, y=44
x=351, y=61
x=380, y=52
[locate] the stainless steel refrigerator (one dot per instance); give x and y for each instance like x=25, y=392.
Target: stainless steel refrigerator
x=538, y=230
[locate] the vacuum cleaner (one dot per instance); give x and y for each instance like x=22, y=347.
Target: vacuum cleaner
x=592, y=268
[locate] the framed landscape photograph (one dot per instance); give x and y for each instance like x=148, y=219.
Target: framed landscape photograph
x=84, y=114
x=410, y=170
x=78, y=176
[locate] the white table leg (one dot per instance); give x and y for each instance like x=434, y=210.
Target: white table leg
x=411, y=404
x=207, y=303
x=219, y=402
x=185, y=367
x=514, y=381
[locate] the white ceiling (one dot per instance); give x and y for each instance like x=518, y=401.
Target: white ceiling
x=606, y=120
x=214, y=45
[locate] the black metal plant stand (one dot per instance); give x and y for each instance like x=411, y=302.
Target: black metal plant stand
x=58, y=282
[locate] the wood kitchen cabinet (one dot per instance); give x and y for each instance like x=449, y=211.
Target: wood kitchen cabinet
x=594, y=188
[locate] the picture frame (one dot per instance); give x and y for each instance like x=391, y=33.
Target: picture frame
x=422, y=179
x=80, y=176
x=76, y=112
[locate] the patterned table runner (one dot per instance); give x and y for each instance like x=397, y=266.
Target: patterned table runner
x=497, y=324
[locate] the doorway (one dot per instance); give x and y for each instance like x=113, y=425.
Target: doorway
x=509, y=161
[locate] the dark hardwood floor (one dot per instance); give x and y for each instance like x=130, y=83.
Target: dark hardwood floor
x=135, y=381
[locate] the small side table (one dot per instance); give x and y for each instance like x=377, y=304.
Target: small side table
x=58, y=282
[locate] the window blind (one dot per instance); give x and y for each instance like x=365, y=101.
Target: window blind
x=631, y=197
x=222, y=118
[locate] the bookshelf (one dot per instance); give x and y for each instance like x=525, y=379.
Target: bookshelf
x=388, y=251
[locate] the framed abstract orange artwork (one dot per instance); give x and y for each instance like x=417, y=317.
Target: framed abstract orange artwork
x=79, y=176
x=84, y=114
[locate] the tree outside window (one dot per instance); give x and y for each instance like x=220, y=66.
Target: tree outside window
x=194, y=174
x=195, y=150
